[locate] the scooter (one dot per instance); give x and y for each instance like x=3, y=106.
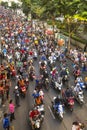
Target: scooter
x=80, y=97
x=70, y=103
x=46, y=84
x=42, y=111
x=58, y=110
x=58, y=85
x=82, y=85
x=38, y=121
x=35, y=55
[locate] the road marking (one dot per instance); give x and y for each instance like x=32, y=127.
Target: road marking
x=1, y=116
x=51, y=112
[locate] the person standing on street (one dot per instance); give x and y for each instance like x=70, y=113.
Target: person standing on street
x=6, y=122
x=11, y=110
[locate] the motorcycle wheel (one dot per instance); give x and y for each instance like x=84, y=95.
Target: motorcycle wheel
x=60, y=118
x=71, y=109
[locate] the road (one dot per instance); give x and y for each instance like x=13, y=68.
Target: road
x=50, y=122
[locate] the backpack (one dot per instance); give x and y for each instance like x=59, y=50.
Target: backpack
x=5, y=122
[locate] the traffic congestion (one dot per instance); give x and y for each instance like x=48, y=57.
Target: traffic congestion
x=43, y=85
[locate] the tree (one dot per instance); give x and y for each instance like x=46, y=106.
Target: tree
x=26, y=6
x=14, y=6
x=5, y=4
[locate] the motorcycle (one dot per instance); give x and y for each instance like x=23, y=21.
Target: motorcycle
x=58, y=85
x=46, y=83
x=70, y=103
x=78, y=125
x=58, y=110
x=51, y=63
x=31, y=75
x=35, y=55
x=42, y=111
x=42, y=69
x=65, y=79
x=79, y=97
x=38, y=121
x=13, y=73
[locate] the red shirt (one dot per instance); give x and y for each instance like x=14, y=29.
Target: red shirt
x=31, y=53
x=34, y=113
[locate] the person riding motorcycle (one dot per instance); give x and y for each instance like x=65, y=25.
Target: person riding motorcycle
x=63, y=72
x=77, y=126
x=21, y=82
x=34, y=114
x=68, y=93
x=38, y=101
x=31, y=68
x=79, y=79
x=77, y=89
x=57, y=102
x=45, y=74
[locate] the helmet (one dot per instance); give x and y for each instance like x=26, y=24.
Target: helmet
x=77, y=84
x=41, y=93
x=35, y=91
x=16, y=87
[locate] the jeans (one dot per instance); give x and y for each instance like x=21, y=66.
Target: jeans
x=12, y=117
x=17, y=100
x=8, y=128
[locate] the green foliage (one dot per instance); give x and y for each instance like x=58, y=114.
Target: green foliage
x=75, y=37
x=14, y=5
x=5, y=4
x=26, y=6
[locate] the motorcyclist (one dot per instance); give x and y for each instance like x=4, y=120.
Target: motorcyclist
x=45, y=74
x=57, y=101
x=43, y=57
x=43, y=63
x=38, y=101
x=77, y=89
x=63, y=72
x=35, y=94
x=34, y=114
x=68, y=93
x=77, y=126
x=31, y=68
x=78, y=79
x=21, y=82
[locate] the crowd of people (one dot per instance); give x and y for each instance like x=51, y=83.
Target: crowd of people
x=21, y=44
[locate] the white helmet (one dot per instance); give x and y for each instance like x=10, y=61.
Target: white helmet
x=41, y=93
x=16, y=87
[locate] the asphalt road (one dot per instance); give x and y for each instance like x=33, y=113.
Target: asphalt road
x=50, y=122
